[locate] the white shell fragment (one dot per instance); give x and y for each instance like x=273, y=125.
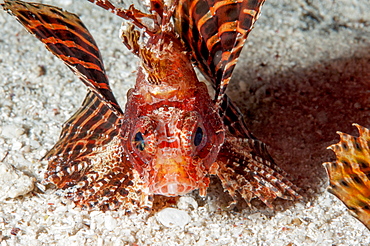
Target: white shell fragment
x=172, y=217
x=186, y=201
x=14, y=183
x=110, y=223
x=12, y=131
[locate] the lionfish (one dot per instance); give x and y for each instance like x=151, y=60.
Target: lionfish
x=349, y=175
x=172, y=136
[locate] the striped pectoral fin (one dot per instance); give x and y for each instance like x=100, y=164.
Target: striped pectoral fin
x=66, y=37
x=349, y=175
x=89, y=164
x=92, y=125
x=102, y=180
x=243, y=172
x=215, y=32
x=91, y=128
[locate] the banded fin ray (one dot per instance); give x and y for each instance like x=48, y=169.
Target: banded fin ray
x=215, y=31
x=66, y=37
x=251, y=176
x=89, y=164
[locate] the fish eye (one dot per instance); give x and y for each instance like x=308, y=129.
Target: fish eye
x=198, y=136
x=139, y=141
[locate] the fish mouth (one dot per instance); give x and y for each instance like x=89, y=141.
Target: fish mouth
x=174, y=176
x=172, y=188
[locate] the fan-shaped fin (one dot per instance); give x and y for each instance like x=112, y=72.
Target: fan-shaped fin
x=66, y=37
x=243, y=172
x=349, y=175
x=215, y=31
x=89, y=163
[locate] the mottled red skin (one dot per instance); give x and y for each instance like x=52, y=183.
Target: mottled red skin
x=168, y=115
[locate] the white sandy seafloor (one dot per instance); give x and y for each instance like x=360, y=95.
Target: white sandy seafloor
x=38, y=93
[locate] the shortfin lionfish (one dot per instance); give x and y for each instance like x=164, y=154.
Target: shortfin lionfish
x=171, y=135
